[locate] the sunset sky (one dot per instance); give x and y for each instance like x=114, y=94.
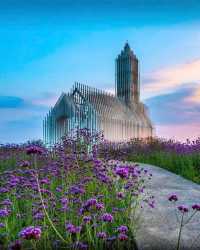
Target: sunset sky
x=47, y=45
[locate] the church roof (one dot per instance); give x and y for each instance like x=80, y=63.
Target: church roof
x=105, y=104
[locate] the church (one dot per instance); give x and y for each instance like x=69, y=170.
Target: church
x=120, y=117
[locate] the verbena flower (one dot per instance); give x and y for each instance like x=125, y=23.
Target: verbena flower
x=6, y=202
x=91, y=202
x=76, y=190
x=122, y=237
x=122, y=172
x=4, y=213
x=45, y=181
x=80, y=245
x=38, y=216
x=72, y=228
x=122, y=229
x=101, y=235
x=31, y=233
x=17, y=245
x=87, y=219
x=107, y=217
x=151, y=203
x=183, y=208
x=99, y=206
x=120, y=195
x=34, y=150
x=64, y=201
x=173, y=197
x=4, y=190
x=196, y=207
x=2, y=225
x=24, y=164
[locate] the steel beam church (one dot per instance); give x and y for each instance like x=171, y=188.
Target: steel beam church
x=121, y=116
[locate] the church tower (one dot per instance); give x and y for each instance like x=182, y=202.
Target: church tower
x=127, y=76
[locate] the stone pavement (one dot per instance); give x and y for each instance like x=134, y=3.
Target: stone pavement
x=159, y=226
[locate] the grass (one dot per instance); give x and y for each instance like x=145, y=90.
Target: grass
x=180, y=158
x=186, y=166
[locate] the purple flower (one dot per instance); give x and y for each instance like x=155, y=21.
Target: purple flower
x=76, y=190
x=151, y=203
x=2, y=225
x=122, y=237
x=107, y=217
x=122, y=229
x=91, y=202
x=24, y=164
x=80, y=245
x=120, y=195
x=6, y=202
x=34, y=150
x=30, y=233
x=38, y=216
x=3, y=190
x=183, y=208
x=101, y=235
x=59, y=189
x=72, y=228
x=4, y=213
x=45, y=181
x=17, y=245
x=122, y=172
x=64, y=201
x=87, y=219
x=196, y=207
x=99, y=206
x=173, y=197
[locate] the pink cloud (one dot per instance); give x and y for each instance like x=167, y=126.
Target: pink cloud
x=169, y=79
x=179, y=132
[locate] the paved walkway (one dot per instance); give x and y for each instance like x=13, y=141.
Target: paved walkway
x=159, y=227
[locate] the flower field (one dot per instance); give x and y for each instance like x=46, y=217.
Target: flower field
x=180, y=158
x=81, y=194
x=68, y=198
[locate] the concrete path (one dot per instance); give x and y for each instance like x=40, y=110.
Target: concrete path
x=159, y=226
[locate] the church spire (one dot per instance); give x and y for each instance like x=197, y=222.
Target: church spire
x=126, y=46
x=127, y=76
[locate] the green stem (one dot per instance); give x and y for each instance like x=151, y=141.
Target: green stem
x=47, y=215
x=43, y=205
x=190, y=218
x=179, y=235
x=34, y=244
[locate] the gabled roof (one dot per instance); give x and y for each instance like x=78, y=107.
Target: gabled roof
x=104, y=104
x=110, y=106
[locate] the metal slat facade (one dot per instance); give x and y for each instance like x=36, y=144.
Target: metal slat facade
x=121, y=116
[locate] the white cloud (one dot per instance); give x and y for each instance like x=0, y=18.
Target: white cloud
x=47, y=99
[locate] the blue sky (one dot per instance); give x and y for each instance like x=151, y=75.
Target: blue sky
x=47, y=45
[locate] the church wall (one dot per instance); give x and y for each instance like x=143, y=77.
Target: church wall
x=122, y=130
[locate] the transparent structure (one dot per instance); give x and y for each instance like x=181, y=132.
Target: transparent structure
x=121, y=116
